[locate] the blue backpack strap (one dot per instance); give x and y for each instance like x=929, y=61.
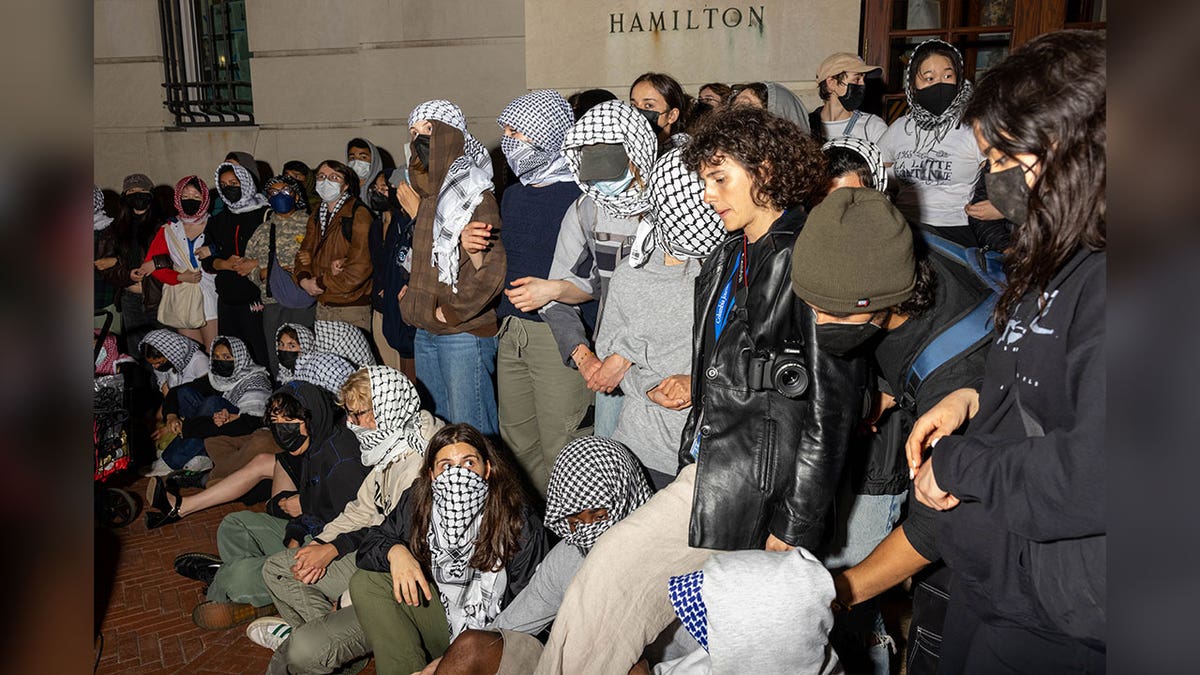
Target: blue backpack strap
x=853, y=120
x=987, y=265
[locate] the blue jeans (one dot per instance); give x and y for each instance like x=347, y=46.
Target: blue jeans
x=459, y=372
x=192, y=404
x=608, y=410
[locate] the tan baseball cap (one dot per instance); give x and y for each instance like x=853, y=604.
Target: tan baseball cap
x=843, y=62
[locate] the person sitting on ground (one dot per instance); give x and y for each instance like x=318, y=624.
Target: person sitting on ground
x=176, y=360
x=383, y=410
x=469, y=521
x=291, y=341
x=319, y=472
x=346, y=340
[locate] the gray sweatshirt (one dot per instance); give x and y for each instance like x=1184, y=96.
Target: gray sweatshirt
x=537, y=605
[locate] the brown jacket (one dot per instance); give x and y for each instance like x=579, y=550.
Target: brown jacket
x=473, y=308
x=353, y=285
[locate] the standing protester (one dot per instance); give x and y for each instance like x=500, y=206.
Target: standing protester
x=583, y=101
x=1023, y=490
x=660, y=99
x=774, y=98
x=300, y=171
x=841, y=85
x=458, y=267
x=105, y=293
x=391, y=262
x=854, y=162
x=127, y=242
x=365, y=161
x=711, y=98
x=179, y=249
x=542, y=401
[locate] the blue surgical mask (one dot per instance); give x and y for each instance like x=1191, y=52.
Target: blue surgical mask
x=612, y=188
x=283, y=202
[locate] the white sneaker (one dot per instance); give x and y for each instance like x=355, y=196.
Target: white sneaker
x=269, y=632
x=199, y=463
x=158, y=468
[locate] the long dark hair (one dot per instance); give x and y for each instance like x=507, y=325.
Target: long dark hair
x=672, y=92
x=503, y=512
x=1048, y=99
x=134, y=233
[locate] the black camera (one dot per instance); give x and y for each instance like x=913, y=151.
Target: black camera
x=784, y=371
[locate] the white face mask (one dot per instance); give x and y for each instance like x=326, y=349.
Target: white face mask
x=329, y=190
x=360, y=167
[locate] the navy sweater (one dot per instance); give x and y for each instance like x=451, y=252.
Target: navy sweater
x=532, y=217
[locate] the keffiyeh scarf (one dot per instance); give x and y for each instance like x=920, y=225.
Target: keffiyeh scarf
x=471, y=597
x=397, y=431
x=249, y=387
x=100, y=219
x=345, y=340
x=615, y=122
x=925, y=120
x=468, y=177
x=868, y=151
x=680, y=223
x=177, y=349
x=251, y=199
x=308, y=343
x=327, y=371
x=593, y=473
x=327, y=212
x=544, y=116
x=201, y=213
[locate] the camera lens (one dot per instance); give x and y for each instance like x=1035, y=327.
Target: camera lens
x=791, y=379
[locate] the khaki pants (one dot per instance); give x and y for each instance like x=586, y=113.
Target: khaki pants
x=355, y=315
x=230, y=453
x=541, y=401
x=322, y=640
x=617, y=603
x=244, y=540
x=390, y=356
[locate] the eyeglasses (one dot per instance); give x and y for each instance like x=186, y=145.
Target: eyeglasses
x=335, y=177
x=711, y=100
x=356, y=415
x=280, y=191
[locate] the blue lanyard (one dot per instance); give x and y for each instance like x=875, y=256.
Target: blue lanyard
x=726, y=302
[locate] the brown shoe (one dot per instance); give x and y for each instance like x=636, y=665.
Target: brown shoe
x=221, y=615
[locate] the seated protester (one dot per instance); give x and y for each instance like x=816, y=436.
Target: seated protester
x=596, y=483
x=365, y=160
x=319, y=473
x=110, y=359
x=841, y=85
x=740, y=607
x=458, y=265
x=775, y=99
x=610, y=152
x=854, y=163
x=239, y=302
x=383, y=410
x=345, y=340
x=175, y=359
x=770, y=462
x=229, y=401
x=468, y=523
x=647, y=325
x=291, y=341
x=391, y=264
x=242, y=462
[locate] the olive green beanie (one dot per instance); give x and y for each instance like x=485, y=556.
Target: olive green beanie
x=854, y=254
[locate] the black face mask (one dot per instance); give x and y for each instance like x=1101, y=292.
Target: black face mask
x=222, y=368
x=138, y=201
x=377, y=202
x=651, y=116
x=1009, y=194
x=232, y=193
x=190, y=206
x=287, y=359
x=287, y=435
x=936, y=97
x=420, y=146
x=840, y=339
x=853, y=98
x=164, y=367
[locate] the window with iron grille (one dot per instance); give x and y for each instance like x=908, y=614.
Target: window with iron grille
x=206, y=60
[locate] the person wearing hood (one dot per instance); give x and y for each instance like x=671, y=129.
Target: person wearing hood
x=292, y=341
x=239, y=302
x=855, y=163
x=229, y=401
x=384, y=411
x=345, y=340
x=933, y=156
x=392, y=200
x=333, y=264
x=610, y=152
x=660, y=98
x=179, y=249
x=120, y=259
x=596, y=483
x=775, y=99
x=458, y=266
x=841, y=85
x=542, y=401
x=273, y=248
x=647, y=325
x=319, y=472
x=300, y=171
x=365, y=160
x=175, y=359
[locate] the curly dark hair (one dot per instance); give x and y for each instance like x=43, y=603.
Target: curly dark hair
x=1048, y=99
x=923, y=294
x=503, y=512
x=786, y=164
x=284, y=403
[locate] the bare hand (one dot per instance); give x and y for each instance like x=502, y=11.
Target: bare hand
x=439, y=314
x=407, y=577
x=609, y=375
x=245, y=266
x=673, y=393
x=880, y=403
x=136, y=274
x=229, y=417
x=984, y=210
x=220, y=417
x=303, y=257
x=337, y=266
x=203, y=252
x=476, y=237
x=311, y=561
x=310, y=286
x=431, y=668
x=409, y=200
x=105, y=263
x=173, y=424
x=291, y=505
x=530, y=294
x=929, y=493
x=400, y=295
x=776, y=544
x=941, y=420
x=587, y=361
x=190, y=277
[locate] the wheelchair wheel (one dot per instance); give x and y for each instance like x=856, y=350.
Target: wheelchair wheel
x=118, y=507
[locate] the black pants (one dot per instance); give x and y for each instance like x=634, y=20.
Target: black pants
x=245, y=324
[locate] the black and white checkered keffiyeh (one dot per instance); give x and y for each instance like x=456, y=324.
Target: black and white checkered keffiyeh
x=593, y=473
x=468, y=177
x=544, y=116
x=250, y=385
x=397, y=409
x=177, y=349
x=327, y=212
x=100, y=219
x=250, y=198
x=471, y=597
x=308, y=343
x=680, y=223
x=345, y=340
x=936, y=126
x=615, y=122
x=868, y=151
x=327, y=371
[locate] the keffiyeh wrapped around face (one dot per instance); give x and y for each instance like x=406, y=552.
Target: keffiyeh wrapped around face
x=868, y=151
x=345, y=340
x=327, y=371
x=177, y=349
x=251, y=199
x=925, y=120
x=615, y=122
x=308, y=343
x=397, y=407
x=249, y=387
x=201, y=214
x=544, y=116
x=468, y=177
x=100, y=219
x=680, y=223
x=593, y=473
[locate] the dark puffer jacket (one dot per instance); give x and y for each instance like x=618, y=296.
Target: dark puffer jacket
x=767, y=464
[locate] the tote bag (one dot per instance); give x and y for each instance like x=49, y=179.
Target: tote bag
x=281, y=285
x=182, y=304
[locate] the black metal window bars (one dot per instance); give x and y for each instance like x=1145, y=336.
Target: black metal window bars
x=206, y=62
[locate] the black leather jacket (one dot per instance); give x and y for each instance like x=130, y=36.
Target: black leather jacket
x=767, y=464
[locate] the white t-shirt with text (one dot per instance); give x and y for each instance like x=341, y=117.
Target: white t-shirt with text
x=935, y=181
